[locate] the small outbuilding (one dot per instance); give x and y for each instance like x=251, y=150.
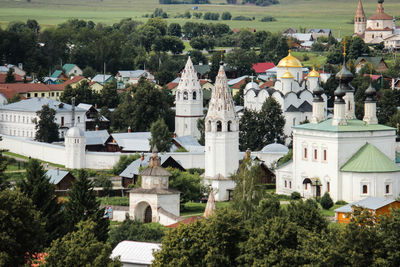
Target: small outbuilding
x=135, y=254
x=61, y=179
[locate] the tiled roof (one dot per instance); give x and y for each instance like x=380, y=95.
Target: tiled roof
x=22, y=88
x=369, y=159
x=267, y=84
x=372, y=203
x=381, y=16
x=352, y=126
x=263, y=66
x=171, y=85
x=18, y=78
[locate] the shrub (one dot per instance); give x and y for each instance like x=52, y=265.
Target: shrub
x=326, y=201
x=267, y=19
x=295, y=195
x=242, y=18
x=226, y=16
x=341, y=202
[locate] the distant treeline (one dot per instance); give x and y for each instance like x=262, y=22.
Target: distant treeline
x=254, y=2
x=177, y=2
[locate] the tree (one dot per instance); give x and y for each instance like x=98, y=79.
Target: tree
x=46, y=127
x=20, y=227
x=314, y=221
x=4, y=184
x=104, y=182
x=10, y=78
x=161, y=137
x=326, y=201
x=242, y=61
x=174, y=29
x=387, y=106
x=109, y=95
x=248, y=191
x=191, y=245
x=80, y=248
x=136, y=231
x=82, y=93
x=226, y=16
x=88, y=72
x=190, y=185
x=82, y=205
x=246, y=39
x=38, y=188
x=358, y=48
x=390, y=227
x=274, y=48
x=273, y=121
x=249, y=131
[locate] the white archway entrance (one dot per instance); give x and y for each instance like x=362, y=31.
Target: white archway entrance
x=143, y=212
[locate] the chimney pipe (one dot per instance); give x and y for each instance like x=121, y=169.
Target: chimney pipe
x=97, y=127
x=247, y=154
x=129, y=129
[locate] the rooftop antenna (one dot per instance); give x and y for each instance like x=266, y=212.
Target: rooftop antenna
x=73, y=111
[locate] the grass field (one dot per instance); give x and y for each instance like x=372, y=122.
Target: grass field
x=335, y=15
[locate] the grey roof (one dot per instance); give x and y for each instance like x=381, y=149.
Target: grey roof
x=189, y=143
x=304, y=107
x=56, y=175
x=327, y=31
x=99, y=78
x=158, y=191
x=36, y=104
x=84, y=106
x=133, y=73
x=275, y=148
x=3, y=69
x=133, y=168
x=372, y=203
x=135, y=252
x=139, y=141
x=96, y=137
x=235, y=81
x=155, y=171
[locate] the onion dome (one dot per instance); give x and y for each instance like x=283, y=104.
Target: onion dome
x=344, y=74
x=318, y=91
x=370, y=93
x=287, y=75
x=290, y=62
x=314, y=73
x=339, y=93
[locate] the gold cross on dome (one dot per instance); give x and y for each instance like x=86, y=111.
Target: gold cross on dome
x=344, y=46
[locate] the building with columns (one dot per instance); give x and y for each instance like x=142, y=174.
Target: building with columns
x=221, y=139
x=348, y=158
x=291, y=91
x=378, y=28
x=188, y=102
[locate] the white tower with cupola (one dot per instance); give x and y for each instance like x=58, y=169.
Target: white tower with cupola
x=189, y=102
x=221, y=139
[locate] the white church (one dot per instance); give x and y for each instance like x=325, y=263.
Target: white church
x=291, y=91
x=349, y=158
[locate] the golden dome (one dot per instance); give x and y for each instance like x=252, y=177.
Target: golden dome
x=287, y=75
x=314, y=73
x=290, y=62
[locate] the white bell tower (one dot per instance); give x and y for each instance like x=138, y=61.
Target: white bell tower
x=221, y=139
x=189, y=102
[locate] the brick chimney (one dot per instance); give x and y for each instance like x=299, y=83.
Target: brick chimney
x=97, y=127
x=129, y=129
x=247, y=154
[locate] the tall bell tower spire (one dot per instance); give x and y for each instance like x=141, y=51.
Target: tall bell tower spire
x=360, y=21
x=221, y=138
x=189, y=102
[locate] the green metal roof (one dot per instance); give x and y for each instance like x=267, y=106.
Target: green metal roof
x=56, y=74
x=352, y=126
x=68, y=67
x=202, y=69
x=369, y=159
x=373, y=60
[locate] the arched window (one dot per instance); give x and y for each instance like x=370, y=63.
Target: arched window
x=179, y=96
x=219, y=126
x=387, y=189
x=194, y=95
x=365, y=189
x=229, y=126
x=185, y=95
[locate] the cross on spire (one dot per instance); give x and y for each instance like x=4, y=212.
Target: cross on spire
x=344, y=46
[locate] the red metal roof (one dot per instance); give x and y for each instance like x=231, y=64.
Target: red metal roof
x=171, y=85
x=267, y=84
x=18, y=78
x=186, y=221
x=263, y=66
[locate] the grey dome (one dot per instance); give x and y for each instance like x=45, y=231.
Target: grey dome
x=252, y=85
x=275, y=148
x=74, y=132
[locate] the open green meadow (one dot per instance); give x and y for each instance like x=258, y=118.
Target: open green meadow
x=335, y=15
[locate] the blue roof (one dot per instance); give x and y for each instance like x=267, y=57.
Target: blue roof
x=56, y=74
x=372, y=203
x=56, y=175
x=68, y=67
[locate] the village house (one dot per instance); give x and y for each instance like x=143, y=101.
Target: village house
x=61, y=179
x=377, y=63
x=72, y=70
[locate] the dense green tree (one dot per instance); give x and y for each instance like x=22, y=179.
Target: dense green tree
x=109, y=95
x=82, y=93
x=21, y=229
x=226, y=16
x=326, y=201
x=390, y=234
x=358, y=48
x=10, y=78
x=249, y=131
x=46, y=127
x=216, y=58
x=136, y=231
x=248, y=190
x=190, y=185
x=88, y=72
x=104, y=182
x=161, y=137
x=141, y=108
x=314, y=221
x=3, y=167
x=198, y=57
x=387, y=106
x=41, y=191
x=80, y=248
x=202, y=42
x=246, y=39
x=241, y=61
x=174, y=29
x=274, y=48
x=191, y=245
x=82, y=205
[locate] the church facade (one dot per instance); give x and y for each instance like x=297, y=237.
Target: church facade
x=378, y=28
x=348, y=158
x=291, y=91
